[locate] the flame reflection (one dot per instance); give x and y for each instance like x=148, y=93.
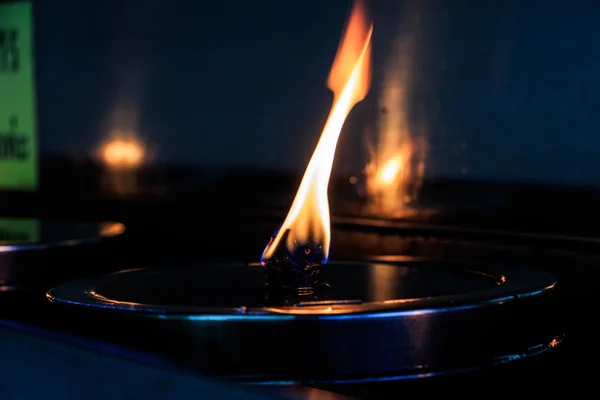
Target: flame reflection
x=122, y=155
x=349, y=79
x=395, y=169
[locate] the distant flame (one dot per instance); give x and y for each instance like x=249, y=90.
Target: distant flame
x=390, y=170
x=121, y=153
x=387, y=175
x=395, y=170
x=349, y=79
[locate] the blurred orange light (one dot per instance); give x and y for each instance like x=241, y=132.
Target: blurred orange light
x=123, y=153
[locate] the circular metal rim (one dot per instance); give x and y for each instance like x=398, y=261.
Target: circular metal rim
x=532, y=351
x=521, y=283
x=107, y=230
x=404, y=344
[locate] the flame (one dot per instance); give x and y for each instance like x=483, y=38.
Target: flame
x=387, y=176
x=396, y=166
x=349, y=80
x=390, y=170
x=121, y=153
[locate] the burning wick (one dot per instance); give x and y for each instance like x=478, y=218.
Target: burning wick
x=294, y=255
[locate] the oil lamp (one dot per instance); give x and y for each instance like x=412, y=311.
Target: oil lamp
x=387, y=317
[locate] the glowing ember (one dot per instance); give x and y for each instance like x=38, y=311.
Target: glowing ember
x=302, y=242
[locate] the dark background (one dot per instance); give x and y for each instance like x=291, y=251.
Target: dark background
x=501, y=90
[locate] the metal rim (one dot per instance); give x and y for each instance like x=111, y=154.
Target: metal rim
x=416, y=373
x=106, y=230
x=356, y=343
x=512, y=284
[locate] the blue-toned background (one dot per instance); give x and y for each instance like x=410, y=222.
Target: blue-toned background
x=501, y=89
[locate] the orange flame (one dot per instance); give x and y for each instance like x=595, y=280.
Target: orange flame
x=123, y=153
x=349, y=80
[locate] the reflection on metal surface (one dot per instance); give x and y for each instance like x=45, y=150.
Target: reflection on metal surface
x=123, y=149
x=21, y=234
x=6, y=288
x=34, y=251
x=122, y=156
x=15, y=231
x=384, y=281
x=310, y=393
x=110, y=229
x=396, y=167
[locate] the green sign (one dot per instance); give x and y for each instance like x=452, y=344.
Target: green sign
x=18, y=122
x=19, y=231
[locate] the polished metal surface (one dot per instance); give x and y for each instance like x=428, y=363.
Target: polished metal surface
x=398, y=317
x=38, y=251
x=20, y=234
